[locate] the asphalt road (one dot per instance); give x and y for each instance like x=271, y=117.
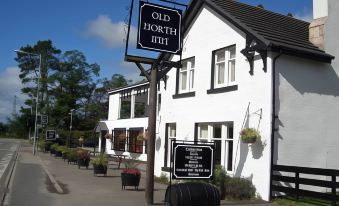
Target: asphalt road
x=8, y=148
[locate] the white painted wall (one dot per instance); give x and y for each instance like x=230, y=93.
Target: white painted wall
x=207, y=33
x=320, y=8
x=113, y=106
x=307, y=106
x=126, y=123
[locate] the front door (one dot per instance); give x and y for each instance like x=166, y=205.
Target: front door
x=103, y=141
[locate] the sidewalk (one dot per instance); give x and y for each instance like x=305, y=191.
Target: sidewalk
x=81, y=187
x=32, y=186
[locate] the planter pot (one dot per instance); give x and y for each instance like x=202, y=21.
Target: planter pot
x=58, y=154
x=52, y=151
x=64, y=156
x=83, y=163
x=100, y=169
x=130, y=180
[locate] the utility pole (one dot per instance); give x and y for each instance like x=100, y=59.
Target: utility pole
x=70, y=128
x=151, y=135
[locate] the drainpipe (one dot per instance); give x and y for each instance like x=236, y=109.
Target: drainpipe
x=273, y=120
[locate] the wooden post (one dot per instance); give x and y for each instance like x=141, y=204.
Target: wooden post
x=151, y=136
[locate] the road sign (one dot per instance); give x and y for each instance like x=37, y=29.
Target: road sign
x=193, y=161
x=50, y=135
x=42, y=119
x=159, y=28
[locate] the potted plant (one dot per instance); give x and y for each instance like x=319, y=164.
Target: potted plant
x=130, y=176
x=59, y=149
x=53, y=148
x=100, y=164
x=65, y=152
x=249, y=135
x=83, y=158
x=72, y=156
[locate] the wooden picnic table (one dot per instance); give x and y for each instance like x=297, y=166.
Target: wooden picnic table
x=119, y=157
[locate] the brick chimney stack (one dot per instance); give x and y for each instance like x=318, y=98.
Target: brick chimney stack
x=317, y=26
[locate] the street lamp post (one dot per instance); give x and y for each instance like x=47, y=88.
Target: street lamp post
x=70, y=128
x=37, y=97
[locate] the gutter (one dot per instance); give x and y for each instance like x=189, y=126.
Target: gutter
x=273, y=120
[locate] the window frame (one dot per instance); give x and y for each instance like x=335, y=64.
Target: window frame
x=227, y=85
x=189, y=91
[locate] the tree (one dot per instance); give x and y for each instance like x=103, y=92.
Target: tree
x=29, y=65
x=72, y=87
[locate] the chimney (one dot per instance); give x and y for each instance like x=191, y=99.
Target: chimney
x=317, y=32
x=317, y=26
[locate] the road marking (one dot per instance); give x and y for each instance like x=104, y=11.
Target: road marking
x=50, y=176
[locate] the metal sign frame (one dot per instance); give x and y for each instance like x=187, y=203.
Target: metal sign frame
x=47, y=134
x=195, y=165
x=162, y=20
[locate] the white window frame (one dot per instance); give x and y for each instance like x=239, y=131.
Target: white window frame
x=227, y=70
x=224, y=140
x=189, y=86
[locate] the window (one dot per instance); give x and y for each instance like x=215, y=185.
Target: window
x=224, y=67
x=170, y=133
x=125, y=108
x=186, y=76
x=222, y=135
x=119, y=139
x=140, y=105
x=135, y=140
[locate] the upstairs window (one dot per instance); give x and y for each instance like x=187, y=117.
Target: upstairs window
x=224, y=67
x=186, y=76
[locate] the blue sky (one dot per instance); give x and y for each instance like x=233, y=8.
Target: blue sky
x=94, y=27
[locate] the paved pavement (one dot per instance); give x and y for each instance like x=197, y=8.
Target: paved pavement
x=31, y=184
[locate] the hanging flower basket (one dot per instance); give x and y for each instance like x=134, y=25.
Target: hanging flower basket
x=142, y=137
x=249, y=135
x=108, y=136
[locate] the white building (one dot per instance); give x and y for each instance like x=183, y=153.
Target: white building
x=243, y=66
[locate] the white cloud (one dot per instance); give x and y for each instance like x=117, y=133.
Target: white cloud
x=111, y=34
x=10, y=86
x=305, y=15
x=130, y=71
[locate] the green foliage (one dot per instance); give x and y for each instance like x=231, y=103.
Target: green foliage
x=249, y=135
x=67, y=82
x=101, y=159
x=239, y=188
x=61, y=148
x=219, y=176
x=54, y=146
x=72, y=155
x=163, y=179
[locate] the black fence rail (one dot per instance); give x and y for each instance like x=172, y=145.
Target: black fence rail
x=297, y=181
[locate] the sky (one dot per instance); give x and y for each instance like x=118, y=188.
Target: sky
x=94, y=27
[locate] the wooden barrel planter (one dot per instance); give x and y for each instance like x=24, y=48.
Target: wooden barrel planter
x=130, y=180
x=83, y=163
x=58, y=153
x=100, y=169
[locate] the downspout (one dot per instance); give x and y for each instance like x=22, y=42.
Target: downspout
x=273, y=119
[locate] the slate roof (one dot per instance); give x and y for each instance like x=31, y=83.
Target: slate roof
x=278, y=32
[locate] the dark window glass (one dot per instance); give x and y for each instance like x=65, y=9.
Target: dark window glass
x=217, y=152
x=125, y=109
x=230, y=155
x=119, y=140
x=135, y=141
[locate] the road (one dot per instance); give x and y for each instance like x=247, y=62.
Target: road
x=7, y=149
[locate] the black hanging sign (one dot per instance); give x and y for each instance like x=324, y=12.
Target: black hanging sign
x=159, y=28
x=192, y=161
x=50, y=135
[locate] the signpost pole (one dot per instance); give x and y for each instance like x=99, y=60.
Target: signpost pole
x=151, y=136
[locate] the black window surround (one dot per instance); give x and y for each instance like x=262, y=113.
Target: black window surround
x=178, y=95
x=214, y=90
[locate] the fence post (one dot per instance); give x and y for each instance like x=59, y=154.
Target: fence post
x=334, y=181
x=297, y=185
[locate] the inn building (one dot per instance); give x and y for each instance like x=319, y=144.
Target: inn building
x=242, y=66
